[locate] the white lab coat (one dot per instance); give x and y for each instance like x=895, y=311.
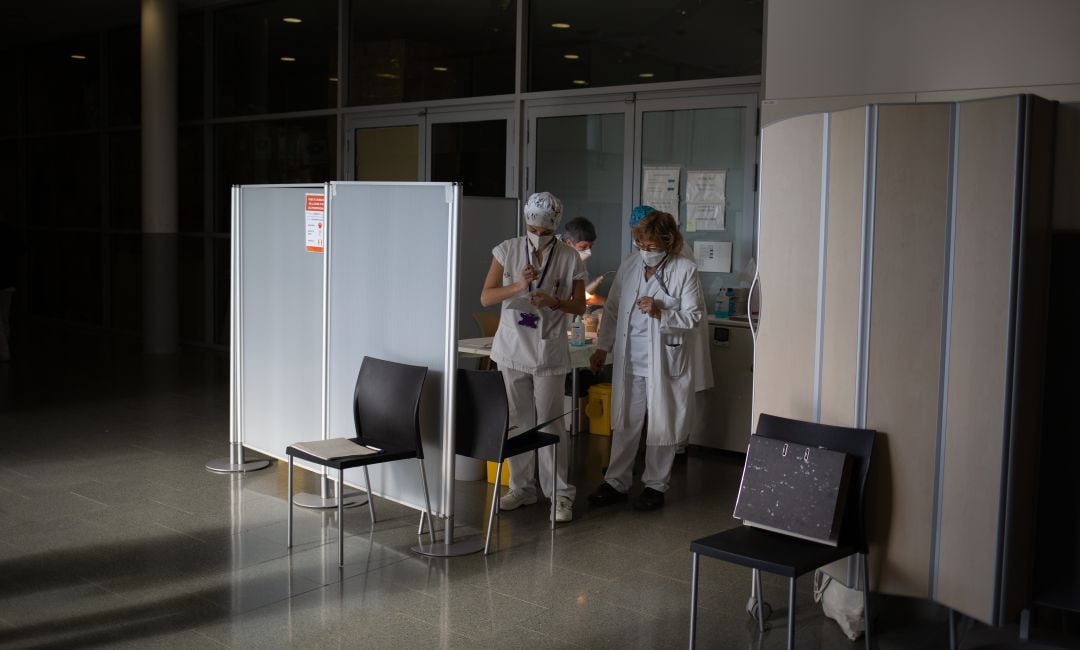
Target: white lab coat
x=670, y=379
x=700, y=361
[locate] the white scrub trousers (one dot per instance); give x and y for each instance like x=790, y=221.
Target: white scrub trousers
x=624, y=446
x=535, y=399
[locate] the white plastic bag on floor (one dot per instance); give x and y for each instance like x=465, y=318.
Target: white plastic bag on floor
x=840, y=603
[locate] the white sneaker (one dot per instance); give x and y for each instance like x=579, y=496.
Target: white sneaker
x=564, y=509
x=516, y=498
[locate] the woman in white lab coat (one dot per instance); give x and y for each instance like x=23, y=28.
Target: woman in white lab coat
x=654, y=305
x=539, y=280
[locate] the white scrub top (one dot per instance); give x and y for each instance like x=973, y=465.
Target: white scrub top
x=638, y=341
x=533, y=339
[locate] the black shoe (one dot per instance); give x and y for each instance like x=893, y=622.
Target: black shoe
x=680, y=458
x=606, y=495
x=649, y=499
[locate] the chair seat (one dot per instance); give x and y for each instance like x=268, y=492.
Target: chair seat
x=391, y=450
x=528, y=441
x=771, y=552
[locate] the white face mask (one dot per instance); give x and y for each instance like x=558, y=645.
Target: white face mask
x=538, y=241
x=652, y=258
x=585, y=254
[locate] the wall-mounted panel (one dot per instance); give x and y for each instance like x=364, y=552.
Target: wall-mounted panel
x=979, y=363
x=843, y=265
x=904, y=355
x=789, y=230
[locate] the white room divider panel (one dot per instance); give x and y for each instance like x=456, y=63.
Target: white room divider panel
x=280, y=321
x=392, y=294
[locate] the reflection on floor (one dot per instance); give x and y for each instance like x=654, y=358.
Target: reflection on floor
x=112, y=533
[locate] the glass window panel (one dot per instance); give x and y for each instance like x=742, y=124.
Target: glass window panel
x=125, y=180
x=123, y=78
x=609, y=43
x=412, y=51
x=10, y=93
x=10, y=188
x=190, y=48
x=64, y=181
x=191, y=287
x=222, y=277
x=387, y=153
x=266, y=65
x=579, y=158
x=278, y=151
x=710, y=138
x=65, y=276
x=190, y=172
x=125, y=282
x=62, y=85
x=471, y=153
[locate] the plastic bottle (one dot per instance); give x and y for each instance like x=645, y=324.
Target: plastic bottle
x=723, y=304
x=577, y=332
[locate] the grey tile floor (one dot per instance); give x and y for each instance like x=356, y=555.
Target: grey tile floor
x=113, y=534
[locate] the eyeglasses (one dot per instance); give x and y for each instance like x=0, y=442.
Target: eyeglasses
x=649, y=247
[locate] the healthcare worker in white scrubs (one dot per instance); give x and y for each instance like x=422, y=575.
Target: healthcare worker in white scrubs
x=652, y=310
x=539, y=280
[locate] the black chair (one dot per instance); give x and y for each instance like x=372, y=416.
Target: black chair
x=386, y=412
x=789, y=556
x=482, y=419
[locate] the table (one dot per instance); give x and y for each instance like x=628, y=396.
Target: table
x=579, y=358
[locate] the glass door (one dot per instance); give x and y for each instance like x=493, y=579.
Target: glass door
x=474, y=148
x=583, y=155
x=384, y=149
x=712, y=142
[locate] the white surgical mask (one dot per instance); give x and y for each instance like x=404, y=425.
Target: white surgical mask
x=585, y=254
x=652, y=258
x=538, y=241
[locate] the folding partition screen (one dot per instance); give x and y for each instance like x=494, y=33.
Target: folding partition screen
x=903, y=267
x=392, y=294
x=278, y=318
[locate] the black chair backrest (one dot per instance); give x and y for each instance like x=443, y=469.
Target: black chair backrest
x=857, y=443
x=386, y=401
x=482, y=414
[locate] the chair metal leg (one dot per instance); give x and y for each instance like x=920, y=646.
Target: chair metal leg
x=866, y=598
x=954, y=621
x=340, y=519
x=554, y=480
x=427, y=503
x=370, y=496
x=494, y=507
x=693, y=600
x=791, y=616
x=288, y=542
x=759, y=601
x=420, y=526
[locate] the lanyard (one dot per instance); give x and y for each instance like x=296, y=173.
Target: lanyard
x=658, y=274
x=547, y=264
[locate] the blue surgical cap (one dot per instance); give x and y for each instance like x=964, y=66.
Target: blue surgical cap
x=639, y=212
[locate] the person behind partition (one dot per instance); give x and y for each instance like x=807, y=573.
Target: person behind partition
x=652, y=310
x=539, y=280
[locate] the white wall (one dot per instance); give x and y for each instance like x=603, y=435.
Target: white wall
x=829, y=54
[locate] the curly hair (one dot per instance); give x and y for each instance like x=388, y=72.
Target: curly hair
x=662, y=228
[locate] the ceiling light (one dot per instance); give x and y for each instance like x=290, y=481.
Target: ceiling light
x=580, y=82
x=79, y=57
x=571, y=57
x=440, y=68
x=561, y=25
x=333, y=79
x=386, y=75
x=288, y=59
x=294, y=21
x=646, y=75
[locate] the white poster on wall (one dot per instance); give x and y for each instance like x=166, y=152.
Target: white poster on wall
x=671, y=207
x=660, y=184
x=713, y=256
x=706, y=186
x=704, y=216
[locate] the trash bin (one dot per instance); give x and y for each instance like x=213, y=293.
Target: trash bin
x=599, y=409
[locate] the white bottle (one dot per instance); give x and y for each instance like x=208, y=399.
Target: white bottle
x=577, y=332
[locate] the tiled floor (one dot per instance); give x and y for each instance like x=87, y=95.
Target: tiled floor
x=112, y=533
